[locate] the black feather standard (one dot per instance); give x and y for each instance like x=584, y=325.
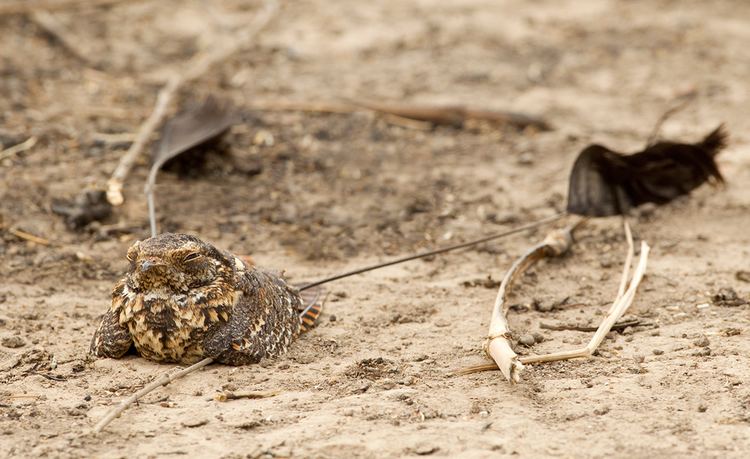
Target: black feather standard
x=604, y=182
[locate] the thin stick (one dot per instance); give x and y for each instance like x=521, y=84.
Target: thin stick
x=681, y=104
x=436, y=251
x=195, y=68
x=498, y=346
x=304, y=106
x=18, y=148
x=620, y=325
x=628, y=259
x=619, y=307
x=50, y=24
x=28, y=236
x=225, y=396
x=25, y=6
x=162, y=381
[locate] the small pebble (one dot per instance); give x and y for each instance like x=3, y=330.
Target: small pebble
x=601, y=411
x=527, y=340
x=702, y=341
x=702, y=352
x=13, y=342
x=702, y=408
x=525, y=159
x=195, y=423
x=657, y=352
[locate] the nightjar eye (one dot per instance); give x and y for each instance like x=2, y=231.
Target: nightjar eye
x=192, y=256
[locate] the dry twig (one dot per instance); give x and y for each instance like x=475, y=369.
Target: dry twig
x=18, y=148
x=162, y=381
x=455, y=115
x=194, y=69
x=498, y=345
x=682, y=101
x=26, y=6
x=226, y=396
x=28, y=236
x=620, y=325
x=52, y=26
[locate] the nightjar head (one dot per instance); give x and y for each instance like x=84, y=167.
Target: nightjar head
x=176, y=262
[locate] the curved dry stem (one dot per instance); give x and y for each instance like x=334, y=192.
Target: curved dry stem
x=616, y=311
x=498, y=346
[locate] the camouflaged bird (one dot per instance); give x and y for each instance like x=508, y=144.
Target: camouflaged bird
x=184, y=300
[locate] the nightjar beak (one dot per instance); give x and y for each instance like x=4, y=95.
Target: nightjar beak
x=150, y=265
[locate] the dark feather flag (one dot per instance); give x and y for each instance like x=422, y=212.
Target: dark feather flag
x=604, y=182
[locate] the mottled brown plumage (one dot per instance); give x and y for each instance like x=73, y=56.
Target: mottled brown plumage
x=184, y=300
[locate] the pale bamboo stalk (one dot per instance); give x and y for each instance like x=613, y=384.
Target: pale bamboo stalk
x=628, y=262
x=498, y=346
x=618, y=309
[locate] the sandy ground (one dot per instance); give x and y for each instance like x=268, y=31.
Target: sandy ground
x=334, y=192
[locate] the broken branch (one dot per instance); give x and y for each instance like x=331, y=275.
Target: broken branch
x=25, y=6
x=225, y=396
x=498, y=346
x=18, y=148
x=620, y=325
x=195, y=68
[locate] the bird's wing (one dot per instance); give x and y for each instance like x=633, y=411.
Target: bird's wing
x=111, y=338
x=595, y=183
x=263, y=322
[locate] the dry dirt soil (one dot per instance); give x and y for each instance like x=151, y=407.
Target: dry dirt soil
x=314, y=194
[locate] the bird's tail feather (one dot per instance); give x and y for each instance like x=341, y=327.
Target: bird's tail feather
x=312, y=307
x=715, y=141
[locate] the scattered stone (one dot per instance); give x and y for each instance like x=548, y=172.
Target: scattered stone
x=372, y=369
x=727, y=297
x=703, y=352
x=195, y=423
x=731, y=331
x=527, y=340
x=539, y=338
x=425, y=450
x=702, y=341
x=542, y=307
x=657, y=352
x=88, y=206
x=743, y=276
x=702, y=408
x=13, y=342
x=525, y=159
x=601, y=411
x=486, y=283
